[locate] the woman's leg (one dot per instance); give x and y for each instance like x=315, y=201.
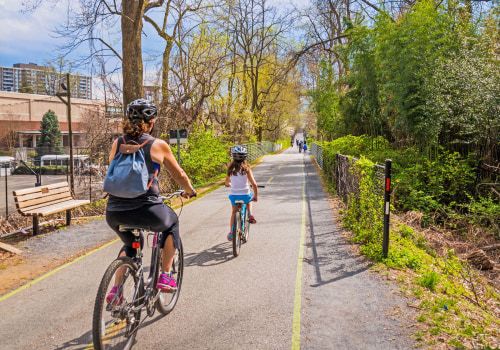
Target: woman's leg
x=168, y=254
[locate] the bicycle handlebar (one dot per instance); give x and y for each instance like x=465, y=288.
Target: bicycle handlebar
x=174, y=194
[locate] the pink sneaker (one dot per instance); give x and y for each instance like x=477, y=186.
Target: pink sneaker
x=229, y=236
x=166, y=282
x=115, y=296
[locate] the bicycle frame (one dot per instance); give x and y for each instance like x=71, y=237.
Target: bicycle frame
x=242, y=208
x=146, y=285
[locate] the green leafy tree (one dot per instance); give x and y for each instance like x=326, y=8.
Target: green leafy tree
x=50, y=138
x=325, y=104
x=359, y=105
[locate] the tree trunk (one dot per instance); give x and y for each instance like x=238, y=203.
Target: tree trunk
x=165, y=70
x=131, y=23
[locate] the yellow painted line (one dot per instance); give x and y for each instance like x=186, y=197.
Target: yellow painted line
x=271, y=179
x=298, y=281
x=54, y=271
x=114, y=331
x=279, y=167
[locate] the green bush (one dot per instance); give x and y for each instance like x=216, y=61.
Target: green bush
x=429, y=280
x=204, y=157
x=437, y=184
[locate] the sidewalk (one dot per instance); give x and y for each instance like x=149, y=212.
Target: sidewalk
x=345, y=306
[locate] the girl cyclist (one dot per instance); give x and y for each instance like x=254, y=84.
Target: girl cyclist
x=239, y=178
x=148, y=209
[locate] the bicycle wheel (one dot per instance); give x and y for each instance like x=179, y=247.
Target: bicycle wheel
x=236, y=232
x=167, y=300
x=247, y=228
x=115, y=323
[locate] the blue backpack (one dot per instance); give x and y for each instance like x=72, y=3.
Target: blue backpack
x=128, y=175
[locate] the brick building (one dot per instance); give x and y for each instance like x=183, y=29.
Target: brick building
x=21, y=114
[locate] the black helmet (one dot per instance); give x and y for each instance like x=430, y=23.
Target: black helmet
x=141, y=109
x=239, y=153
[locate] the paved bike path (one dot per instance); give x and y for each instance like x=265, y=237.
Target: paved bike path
x=345, y=306
x=232, y=303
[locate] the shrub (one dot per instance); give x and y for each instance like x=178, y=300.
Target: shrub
x=429, y=280
x=205, y=156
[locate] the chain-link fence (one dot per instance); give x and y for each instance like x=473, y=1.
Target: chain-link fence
x=363, y=188
x=317, y=152
x=258, y=149
x=28, y=170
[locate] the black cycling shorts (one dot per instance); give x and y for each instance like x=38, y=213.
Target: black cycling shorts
x=159, y=217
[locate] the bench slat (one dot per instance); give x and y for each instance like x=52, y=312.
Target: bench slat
x=38, y=206
x=47, y=200
x=30, y=196
x=56, y=208
x=39, y=189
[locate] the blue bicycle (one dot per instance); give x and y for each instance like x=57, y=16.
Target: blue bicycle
x=241, y=227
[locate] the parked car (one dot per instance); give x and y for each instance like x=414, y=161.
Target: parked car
x=7, y=163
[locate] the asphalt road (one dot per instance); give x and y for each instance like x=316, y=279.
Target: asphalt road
x=296, y=283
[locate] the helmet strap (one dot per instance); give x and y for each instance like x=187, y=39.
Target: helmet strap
x=151, y=126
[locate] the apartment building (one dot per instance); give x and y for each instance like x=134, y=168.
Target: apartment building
x=34, y=79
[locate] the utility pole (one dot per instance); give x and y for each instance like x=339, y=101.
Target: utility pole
x=67, y=88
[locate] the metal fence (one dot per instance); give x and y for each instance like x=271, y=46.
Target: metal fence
x=28, y=171
x=258, y=149
x=317, y=152
x=339, y=170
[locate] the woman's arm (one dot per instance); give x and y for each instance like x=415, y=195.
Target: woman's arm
x=160, y=147
x=228, y=181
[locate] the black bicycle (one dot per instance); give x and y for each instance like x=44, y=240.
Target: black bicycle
x=116, y=319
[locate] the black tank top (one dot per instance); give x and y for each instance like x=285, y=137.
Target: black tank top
x=151, y=196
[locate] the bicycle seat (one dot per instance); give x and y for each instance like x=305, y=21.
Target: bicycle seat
x=125, y=228
x=239, y=202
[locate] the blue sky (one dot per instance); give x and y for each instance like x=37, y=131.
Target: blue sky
x=27, y=37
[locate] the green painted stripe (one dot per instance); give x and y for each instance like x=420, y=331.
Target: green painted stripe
x=54, y=271
x=298, y=281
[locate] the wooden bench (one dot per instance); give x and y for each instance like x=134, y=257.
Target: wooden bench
x=46, y=200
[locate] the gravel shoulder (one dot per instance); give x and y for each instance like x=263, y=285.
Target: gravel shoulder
x=48, y=251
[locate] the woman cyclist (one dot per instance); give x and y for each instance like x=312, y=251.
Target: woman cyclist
x=239, y=178
x=148, y=209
